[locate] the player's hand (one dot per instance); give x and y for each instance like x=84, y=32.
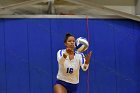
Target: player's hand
x=87, y=57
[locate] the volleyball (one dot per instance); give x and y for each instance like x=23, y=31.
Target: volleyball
x=81, y=44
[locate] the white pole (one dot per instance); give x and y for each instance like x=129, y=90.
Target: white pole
x=137, y=8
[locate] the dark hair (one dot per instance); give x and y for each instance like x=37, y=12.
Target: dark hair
x=67, y=36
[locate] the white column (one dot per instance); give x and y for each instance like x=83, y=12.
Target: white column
x=137, y=8
x=50, y=8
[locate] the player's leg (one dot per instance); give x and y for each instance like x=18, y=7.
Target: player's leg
x=58, y=88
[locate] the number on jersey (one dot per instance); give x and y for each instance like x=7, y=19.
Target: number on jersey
x=70, y=70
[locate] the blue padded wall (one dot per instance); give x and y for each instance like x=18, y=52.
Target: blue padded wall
x=103, y=64
x=2, y=59
x=28, y=50
x=125, y=43
x=40, y=63
x=137, y=53
x=17, y=71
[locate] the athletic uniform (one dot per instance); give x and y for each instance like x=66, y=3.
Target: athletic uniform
x=68, y=72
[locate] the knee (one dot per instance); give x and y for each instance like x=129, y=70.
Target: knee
x=59, y=89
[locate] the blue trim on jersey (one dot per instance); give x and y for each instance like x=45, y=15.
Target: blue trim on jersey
x=82, y=58
x=61, y=53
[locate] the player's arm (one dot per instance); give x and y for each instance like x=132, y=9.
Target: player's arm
x=61, y=56
x=87, y=57
x=84, y=62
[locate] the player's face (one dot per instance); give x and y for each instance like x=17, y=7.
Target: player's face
x=70, y=43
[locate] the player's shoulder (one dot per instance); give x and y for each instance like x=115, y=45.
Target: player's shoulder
x=61, y=50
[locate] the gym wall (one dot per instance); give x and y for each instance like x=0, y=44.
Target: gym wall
x=28, y=50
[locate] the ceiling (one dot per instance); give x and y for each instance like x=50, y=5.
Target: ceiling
x=124, y=8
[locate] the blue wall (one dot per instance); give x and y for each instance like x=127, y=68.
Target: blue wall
x=28, y=50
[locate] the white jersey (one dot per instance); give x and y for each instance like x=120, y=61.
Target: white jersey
x=69, y=70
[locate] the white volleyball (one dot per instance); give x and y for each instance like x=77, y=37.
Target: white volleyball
x=81, y=44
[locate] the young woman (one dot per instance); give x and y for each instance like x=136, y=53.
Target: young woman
x=70, y=62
